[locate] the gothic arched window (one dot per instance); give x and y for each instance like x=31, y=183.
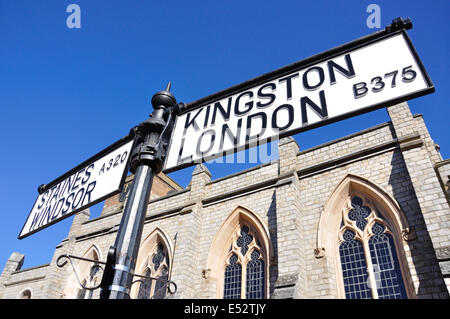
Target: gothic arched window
x=82, y=292
x=233, y=279
x=157, y=267
x=89, y=274
x=145, y=286
x=244, y=273
x=367, y=252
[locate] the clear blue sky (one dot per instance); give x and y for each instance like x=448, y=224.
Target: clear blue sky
x=65, y=94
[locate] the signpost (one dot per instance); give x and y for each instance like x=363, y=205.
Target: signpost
x=366, y=74
x=372, y=72
x=87, y=184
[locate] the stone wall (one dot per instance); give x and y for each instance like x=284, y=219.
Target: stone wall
x=288, y=197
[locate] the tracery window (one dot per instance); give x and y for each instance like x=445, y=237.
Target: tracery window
x=145, y=286
x=90, y=281
x=82, y=292
x=367, y=252
x=244, y=274
x=156, y=266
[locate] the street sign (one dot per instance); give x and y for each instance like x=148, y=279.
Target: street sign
x=89, y=183
x=368, y=73
x=372, y=72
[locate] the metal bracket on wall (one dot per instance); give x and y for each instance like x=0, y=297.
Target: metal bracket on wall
x=170, y=285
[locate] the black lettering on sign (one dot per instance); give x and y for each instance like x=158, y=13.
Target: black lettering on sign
x=50, y=197
x=408, y=75
x=181, y=160
x=35, y=220
x=377, y=84
x=109, y=164
x=306, y=82
x=321, y=110
x=234, y=138
x=348, y=72
x=68, y=203
x=265, y=95
x=88, y=192
x=205, y=123
x=102, y=170
x=198, y=150
x=124, y=156
x=394, y=75
x=87, y=174
x=43, y=199
x=275, y=123
x=116, y=161
x=69, y=184
x=45, y=215
x=57, y=209
x=288, y=80
x=225, y=113
x=77, y=178
x=250, y=118
x=56, y=192
x=77, y=199
x=360, y=89
x=190, y=121
x=249, y=104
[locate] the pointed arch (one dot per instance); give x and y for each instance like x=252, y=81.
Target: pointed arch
x=154, y=260
x=375, y=206
x=331, y=215
x=93, y=252
x=221, y=249
x=148, y=244
x=87, y=273
x=84, y=268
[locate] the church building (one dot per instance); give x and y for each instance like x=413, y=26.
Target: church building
x=363, y=216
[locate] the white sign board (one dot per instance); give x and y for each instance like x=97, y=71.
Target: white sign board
x=84, y=186
x=332, y=87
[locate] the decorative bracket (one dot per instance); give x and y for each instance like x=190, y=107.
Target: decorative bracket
x=409, y=233
x=93, y=268
x=319, y=252
x=205, y=273
x=171, y=285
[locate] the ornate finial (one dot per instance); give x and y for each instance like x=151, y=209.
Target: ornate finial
x=164, y=99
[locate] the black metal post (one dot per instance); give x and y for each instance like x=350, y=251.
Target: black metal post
x=146, y=161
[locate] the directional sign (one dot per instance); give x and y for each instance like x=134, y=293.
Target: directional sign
x=376, y=71
x=87, y=184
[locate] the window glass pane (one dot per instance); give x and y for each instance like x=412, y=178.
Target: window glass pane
x=158, y=257
x=232, y=279
x=91, y=292
x=386, y=268
x=255, y=277
x=82, y=292
x=354, y=268
x=359, y=213
x=244, y=240
x=145, y=286
x=161, y=285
